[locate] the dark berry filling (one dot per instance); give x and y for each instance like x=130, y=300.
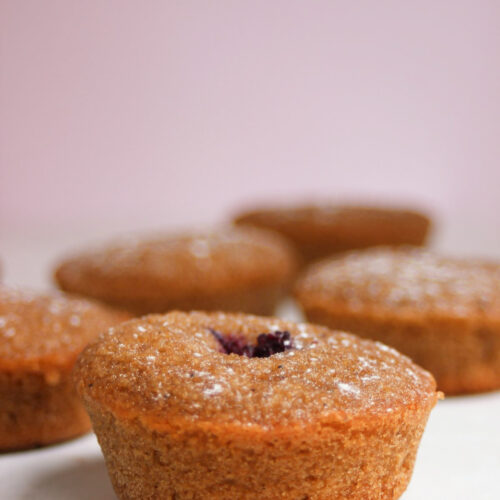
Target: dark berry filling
x=272, y=343
x=267, y=344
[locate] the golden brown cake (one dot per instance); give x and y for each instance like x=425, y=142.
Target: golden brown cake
x=321, y=230
x=230, y=406
x=40, y=339
x=233, y=269
x=444, y=313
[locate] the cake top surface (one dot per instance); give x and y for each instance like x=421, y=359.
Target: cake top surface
x=173, y=368
x=180, y=264
x=52, y=327
x=327, y=214
x=320, y=230
x=409, y=280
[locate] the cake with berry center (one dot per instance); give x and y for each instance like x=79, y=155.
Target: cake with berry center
x=224, y=406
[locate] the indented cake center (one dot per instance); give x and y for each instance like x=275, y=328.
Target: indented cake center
x=267, y=344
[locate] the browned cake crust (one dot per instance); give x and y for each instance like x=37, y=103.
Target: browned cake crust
x=331, y=416
x=444, y=313
x=233, y=269
x=40, y=339
x=321, y=230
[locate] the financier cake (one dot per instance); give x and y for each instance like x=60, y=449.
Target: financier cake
x=234, y=269
x=442, y=312
x=224, y=406
x=321, y=230
x=40, y=339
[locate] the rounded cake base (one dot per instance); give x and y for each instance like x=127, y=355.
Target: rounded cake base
x=37, y=412
x=351, y=459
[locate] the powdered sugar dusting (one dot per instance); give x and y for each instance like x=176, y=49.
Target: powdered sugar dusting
x=348, y=388
x=200, y=248
x=34, y=325
x=215, y=389
x=174, y=258
x=406, y=279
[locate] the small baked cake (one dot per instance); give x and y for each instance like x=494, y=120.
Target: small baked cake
x=40, y=339
x=224, y=406
x=322, y=230
x=233, y=269
x=444, y=313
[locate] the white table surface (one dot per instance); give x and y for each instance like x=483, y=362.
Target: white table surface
x=459, y=457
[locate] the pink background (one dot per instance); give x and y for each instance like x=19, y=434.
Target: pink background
x=138, y=114
x=119, y=115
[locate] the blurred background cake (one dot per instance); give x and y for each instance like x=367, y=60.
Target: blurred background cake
x=40, y=339
x=232, y=269
x=318, y=231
